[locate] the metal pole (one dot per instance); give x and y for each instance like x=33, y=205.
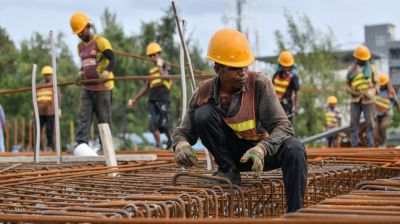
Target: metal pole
x=55, y=99
x=184, y=46
x=183, y=79
x=36, y=115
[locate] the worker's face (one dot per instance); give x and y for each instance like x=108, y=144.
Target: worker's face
x=154, y=57
x=232, y=76
x=360, y=62
x=47, y=78
x=84, y=35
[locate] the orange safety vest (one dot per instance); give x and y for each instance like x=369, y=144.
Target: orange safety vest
x=44, y=98
x=153, y=83
x=281, y=85
x=244, y=122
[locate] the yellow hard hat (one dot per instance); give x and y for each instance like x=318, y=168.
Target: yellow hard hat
x=78, y=22
x=230, y=47
x=286, y=59
x=332, y=100
x=362, y=53
x=153, y=48
x=47, y=70
x=383, y=79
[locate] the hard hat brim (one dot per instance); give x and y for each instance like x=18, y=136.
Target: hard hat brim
x=240, y=64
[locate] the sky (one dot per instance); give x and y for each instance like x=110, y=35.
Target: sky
x=346, y=18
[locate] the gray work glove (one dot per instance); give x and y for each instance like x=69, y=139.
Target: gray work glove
x=185, y=155
x=160, y=62
x=257, y=154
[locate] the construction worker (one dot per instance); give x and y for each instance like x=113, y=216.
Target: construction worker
x=384, y=108
x=159, y=99
x=45, y=103
x=239, y=119
x=98, y=62
x=362, y=84
x=333, y=119
x=286, y=84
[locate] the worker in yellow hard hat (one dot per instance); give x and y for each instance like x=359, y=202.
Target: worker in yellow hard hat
x=286, y=84
x=333, y=119
x=98, y=62
x=239, y=119
x=45, y=103
x=384, y=108
x=159, y=95
x=362, y=84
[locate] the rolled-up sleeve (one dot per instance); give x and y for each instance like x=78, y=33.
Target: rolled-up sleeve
x=271, y=115
x=186, y=130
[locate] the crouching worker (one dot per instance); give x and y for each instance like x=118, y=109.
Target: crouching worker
x=239, y=119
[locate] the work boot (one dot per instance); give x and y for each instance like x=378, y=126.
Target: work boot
x=169, y=144
x=231, y=175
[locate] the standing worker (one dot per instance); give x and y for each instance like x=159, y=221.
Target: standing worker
x=286, y=84
x=333, y=119
x=362, y=84
x=159, y=99
x=384, y=108
x=98, y=61
x=239, y=119
x=45, y=103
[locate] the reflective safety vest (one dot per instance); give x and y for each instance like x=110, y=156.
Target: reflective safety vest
x=244, y=122
x=382, y=104
x=153, y=83
x=44, y=98
x=332, y=119
x=281, y=85
x=360, y=83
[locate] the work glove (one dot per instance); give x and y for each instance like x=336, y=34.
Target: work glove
x=132, y=102
x=103, y=76
x=184, y=155
x=159, y=62
x=79, y=78
x=257, y=154
x=59, y=112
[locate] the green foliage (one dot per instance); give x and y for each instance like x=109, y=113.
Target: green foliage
x=314, y=56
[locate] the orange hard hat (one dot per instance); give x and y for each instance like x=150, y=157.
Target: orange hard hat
x=383, y=79
x=286, y=59
x=362, y=53
x=332, y=100
x=230, y=47
x=78, y=22
x=153, y=48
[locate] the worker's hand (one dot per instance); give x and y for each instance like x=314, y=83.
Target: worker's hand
x=103, y=76
x=160, y=62
x=132, y=102
x=257, y=154
x=184, y=155
x=79, y=78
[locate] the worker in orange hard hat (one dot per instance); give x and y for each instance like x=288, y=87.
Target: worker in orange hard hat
x=384, y=108
x=98, y=62
x=333, y=119
x=45, y=103
x=362, y=84
x=286, y=84
x=159, y=91
x=238, y=117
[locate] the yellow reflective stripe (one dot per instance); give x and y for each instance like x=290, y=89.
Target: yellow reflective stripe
x=280, y=89
x=155, y=69
x=44, y=96
x=281, y=82
x=383, y=102
x=253, y=138
x=243, y=126
x=157, y=81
